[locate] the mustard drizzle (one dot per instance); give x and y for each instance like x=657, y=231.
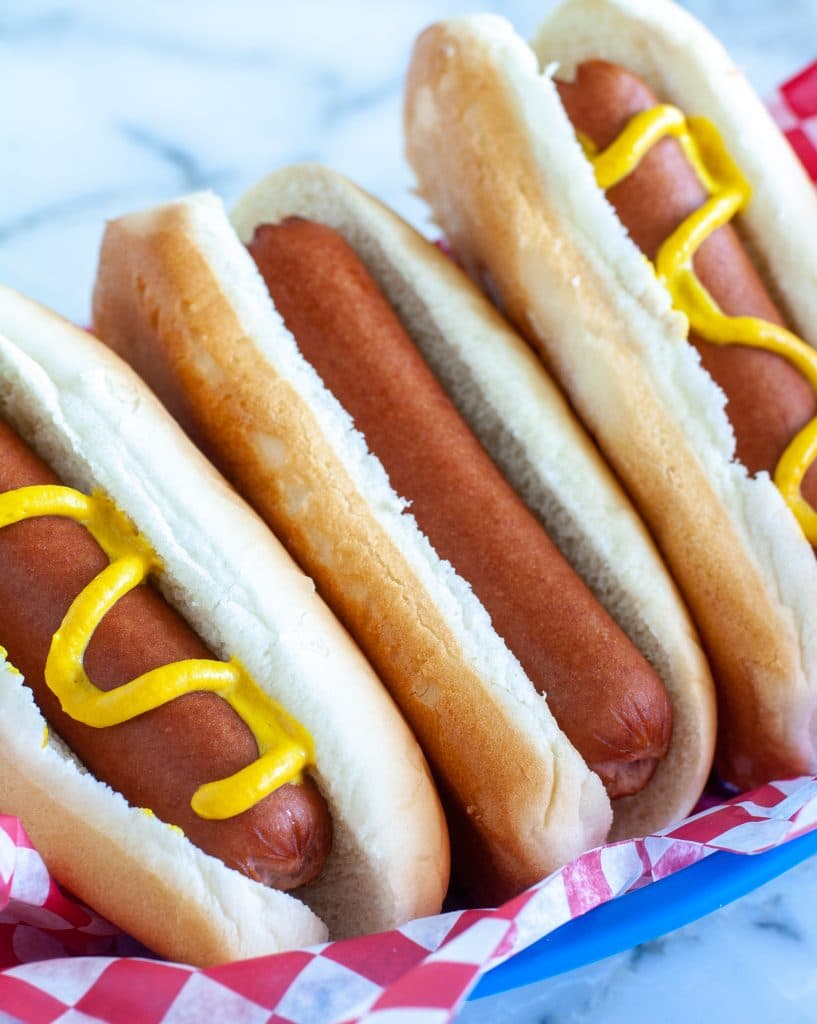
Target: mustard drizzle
x=285, y=747
x=729, y=193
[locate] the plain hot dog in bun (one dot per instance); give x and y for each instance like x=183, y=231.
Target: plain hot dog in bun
x=396, y=332
x=628, y=133
x=189, y=701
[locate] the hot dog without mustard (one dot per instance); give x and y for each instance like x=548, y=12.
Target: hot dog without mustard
x=386, y=319
x=601, y=690
x=159, y=759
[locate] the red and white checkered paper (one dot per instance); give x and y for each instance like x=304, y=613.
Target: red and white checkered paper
x=66, y=970
x=60, y=962
x=794, y=107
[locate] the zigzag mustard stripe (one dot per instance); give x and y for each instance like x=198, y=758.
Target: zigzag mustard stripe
x=285, y=747
x=729, y=194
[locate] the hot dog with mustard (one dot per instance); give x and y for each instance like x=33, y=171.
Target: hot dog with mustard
x=622, y=188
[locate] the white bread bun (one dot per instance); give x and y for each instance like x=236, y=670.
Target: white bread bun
x=498, y=161
x=476, y=714
x=97, y=425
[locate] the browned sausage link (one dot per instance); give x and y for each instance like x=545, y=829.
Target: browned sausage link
x=768, y=399
x=159, y=759
x=602, y=692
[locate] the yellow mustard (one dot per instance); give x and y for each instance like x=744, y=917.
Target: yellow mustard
x=729, y=193
x=148, y=813
x=284, y=746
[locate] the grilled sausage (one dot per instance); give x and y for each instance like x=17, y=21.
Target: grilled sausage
x=602, y=692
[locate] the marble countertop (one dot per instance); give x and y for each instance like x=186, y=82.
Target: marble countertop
x=112, y=106
x=750, y=962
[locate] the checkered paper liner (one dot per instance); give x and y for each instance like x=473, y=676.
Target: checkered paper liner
x=61, y=962
x=794, y=107
x=419, y=973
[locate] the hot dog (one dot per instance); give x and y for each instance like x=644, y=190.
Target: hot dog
x=559, y=216
x=513, y=781
x=230, y=710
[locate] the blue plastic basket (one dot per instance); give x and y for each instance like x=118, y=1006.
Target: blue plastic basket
x=645, y=914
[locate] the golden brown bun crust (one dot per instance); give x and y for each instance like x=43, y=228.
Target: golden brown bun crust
x=578, y=288
x=132, y=869
x=158, y=292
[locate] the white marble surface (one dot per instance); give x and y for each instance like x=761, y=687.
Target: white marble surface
x=111, y=106
x=751, y=962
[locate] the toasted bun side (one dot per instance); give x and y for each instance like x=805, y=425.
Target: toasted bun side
x=175, y=283
x=132, y=868
x=526, y=425
x=499, y=163
x=686, y=65
x=98, y=425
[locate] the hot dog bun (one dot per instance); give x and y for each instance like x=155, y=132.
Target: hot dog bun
x=179, y=296
x=499, y=162
x=98, y=427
